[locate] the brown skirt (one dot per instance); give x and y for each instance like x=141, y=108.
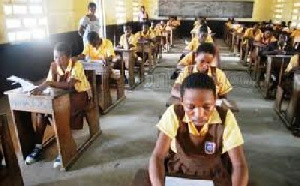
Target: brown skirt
x=79, y=103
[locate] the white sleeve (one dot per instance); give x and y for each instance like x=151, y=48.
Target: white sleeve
x=84, y=21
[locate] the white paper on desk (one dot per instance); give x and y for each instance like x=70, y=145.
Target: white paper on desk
x=175, y=181
x=27, y=86
x=219, y=102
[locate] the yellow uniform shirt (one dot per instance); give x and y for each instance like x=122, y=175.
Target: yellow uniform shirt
x=148, y=35
x=295, y=33
x=223, y=85
x=76, y=72
x=193, y=45
x=132, y=40
x=260, y=38
x=250, y=33
x=232, y=136
x=105, y=50
x=188, y=60
x=293, y=63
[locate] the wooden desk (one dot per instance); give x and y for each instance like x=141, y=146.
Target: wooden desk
x=293, y=110
x=103, y=77
x=129, y=60
x=275, y=63
x=255, y=59
x=237, y=38
x=291, y=116
x=145, y=47
x=244, y=51
x=10, y=174
x=56, y=104
x=160, y=44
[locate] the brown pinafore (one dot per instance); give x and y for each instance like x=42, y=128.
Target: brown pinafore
x=200, y=157
x=78, y=100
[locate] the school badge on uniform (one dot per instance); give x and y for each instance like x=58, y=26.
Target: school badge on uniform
x=209, y=147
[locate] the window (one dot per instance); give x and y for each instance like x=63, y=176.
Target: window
x=121, y=11
x=25, y=20
x=296, y=14
x=278, y=10
x=135, y=10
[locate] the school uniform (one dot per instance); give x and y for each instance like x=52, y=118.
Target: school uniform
x=193, y=45
x=197, y=153
x=131, y=40
x=223, y=85
x=104, y=51
x=189, y=59
x=145, y=36
x=79, y=95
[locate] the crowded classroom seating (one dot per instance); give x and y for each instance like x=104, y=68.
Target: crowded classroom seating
x=150, y=93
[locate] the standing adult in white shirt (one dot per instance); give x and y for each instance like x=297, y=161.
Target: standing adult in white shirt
x=143, y=15
x=89, y=23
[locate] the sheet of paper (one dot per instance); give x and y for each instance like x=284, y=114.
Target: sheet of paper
x=175, y=181
x=219, y=102
x=27, y=86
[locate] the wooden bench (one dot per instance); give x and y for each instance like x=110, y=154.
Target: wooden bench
x=275, y=66
x=56, y=103
x=104, y=76
x=10, y=173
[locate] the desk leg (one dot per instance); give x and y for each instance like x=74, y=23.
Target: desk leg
x=267, y=79
x=131, y=64
x=14, y=176
x=142, y=70
x=106, y=100
x=24, y=131
x=92, y=117
x=65, y=142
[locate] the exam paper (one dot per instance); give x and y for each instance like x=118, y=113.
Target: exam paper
x=175, y=181
x=26, y=86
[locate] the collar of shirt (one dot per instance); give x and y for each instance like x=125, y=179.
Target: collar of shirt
x=69, y=68
x=213, y=119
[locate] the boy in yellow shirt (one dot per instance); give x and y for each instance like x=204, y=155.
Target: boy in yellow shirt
x=145, y=35
x=204, y=58
x=194, y=134
x=128, y=39
x=98, y=48
x=203, y=36
x=66, y=74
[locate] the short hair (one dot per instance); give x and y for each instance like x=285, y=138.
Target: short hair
x=92, y=36
x=198, y=81
x=203, y=28
x=143, y=7
x=92, y=5
x=127, y=27
x=63, y=47
x=206, y=47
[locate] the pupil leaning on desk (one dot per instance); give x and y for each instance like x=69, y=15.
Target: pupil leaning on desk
x=68, y=74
